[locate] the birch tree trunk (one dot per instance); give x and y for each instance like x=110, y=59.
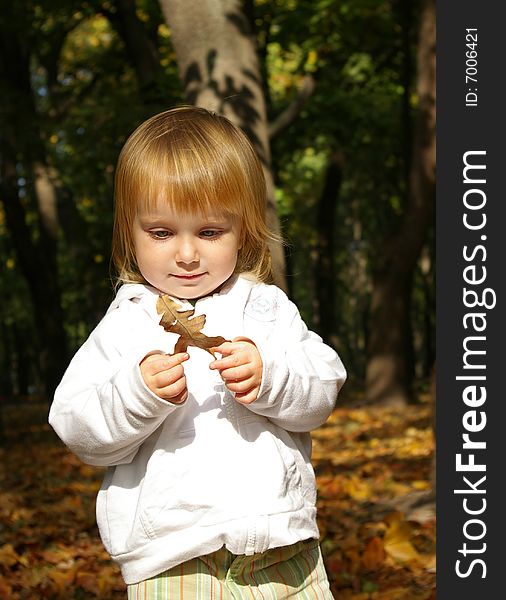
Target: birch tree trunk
x=388, y=373
x=218, y=65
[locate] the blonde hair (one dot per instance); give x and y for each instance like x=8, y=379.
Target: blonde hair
x=197, y=161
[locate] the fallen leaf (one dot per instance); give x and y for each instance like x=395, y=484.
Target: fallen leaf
x=8, y=556
x=62, y=580
x=188, y=326
x=374, y=553
x=397, y=539
x=60, y=556
x=357, y=489
x=88, y=582
x=5, y=590
x=353, y=557
x=399, y=593
x=430, y=563
x=50, y=546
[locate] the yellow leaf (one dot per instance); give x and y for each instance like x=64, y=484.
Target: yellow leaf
x=430, y=563
x=397, y=538
x=357, y=488
x=420, y=484
x=86, y=471
x=8, y=556
x=62, y=579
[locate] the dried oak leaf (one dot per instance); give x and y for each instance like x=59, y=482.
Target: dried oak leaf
x=184, y=323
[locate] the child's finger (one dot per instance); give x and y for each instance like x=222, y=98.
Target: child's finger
x=224, y=349
x=168, y=376
x=236, y=373
x=178, y=358
x=174, y=391
x=237, y=345
x=227, y=362
x=170, y=361
x=241, y=386
x=180, y=398
x=247, y=397
x=161, y=362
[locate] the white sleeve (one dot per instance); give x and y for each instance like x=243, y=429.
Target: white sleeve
x=301, y=375
x=102, y=409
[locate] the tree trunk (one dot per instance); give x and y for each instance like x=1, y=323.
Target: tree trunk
x=140, y=49
x=220, y=71
x=428, y=358
x=21, y=145
x=325, y=272
x=389, y=367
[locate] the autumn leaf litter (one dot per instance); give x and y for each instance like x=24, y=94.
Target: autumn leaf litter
x=367, y=462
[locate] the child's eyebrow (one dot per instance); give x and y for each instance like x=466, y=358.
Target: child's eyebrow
x=216, y=220
x=146, y=218
x=155, y=218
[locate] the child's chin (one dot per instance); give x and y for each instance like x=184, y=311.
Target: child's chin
x=183, y=294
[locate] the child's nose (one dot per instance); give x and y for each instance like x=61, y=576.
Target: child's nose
x=187, y=251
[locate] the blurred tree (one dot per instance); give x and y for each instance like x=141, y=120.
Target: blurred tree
x=389, y=366
x=23, y=159
x=141, y=46
x=220, y=71
x=327, y=91
x=362, y=111
x=63, y=123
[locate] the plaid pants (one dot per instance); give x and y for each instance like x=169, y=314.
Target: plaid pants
x=295, y=572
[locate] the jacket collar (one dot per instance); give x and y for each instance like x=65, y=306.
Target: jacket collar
x=236, y=287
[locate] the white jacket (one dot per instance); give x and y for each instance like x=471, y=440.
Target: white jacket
x=184, y=480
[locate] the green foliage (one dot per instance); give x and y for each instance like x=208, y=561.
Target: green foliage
x=88, y=98
x=354, y=50
x=87, y=101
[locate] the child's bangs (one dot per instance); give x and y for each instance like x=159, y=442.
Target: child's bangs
x=191, y=181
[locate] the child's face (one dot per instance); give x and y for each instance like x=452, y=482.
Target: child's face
x=184, y=255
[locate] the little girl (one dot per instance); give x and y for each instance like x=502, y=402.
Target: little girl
x=209, y=491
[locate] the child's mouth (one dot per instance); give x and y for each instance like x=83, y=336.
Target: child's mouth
x=189, y=277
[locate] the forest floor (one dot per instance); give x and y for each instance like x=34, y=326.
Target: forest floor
x=376, y=511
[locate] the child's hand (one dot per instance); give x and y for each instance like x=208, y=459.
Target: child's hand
x=164, y=376
x=240, y=368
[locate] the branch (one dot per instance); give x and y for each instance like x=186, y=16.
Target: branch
x=143, y=54
x=63, y=106
x=288, y=116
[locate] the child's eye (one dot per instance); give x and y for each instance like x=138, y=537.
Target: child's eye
x=159, y=234
x=210, y=233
